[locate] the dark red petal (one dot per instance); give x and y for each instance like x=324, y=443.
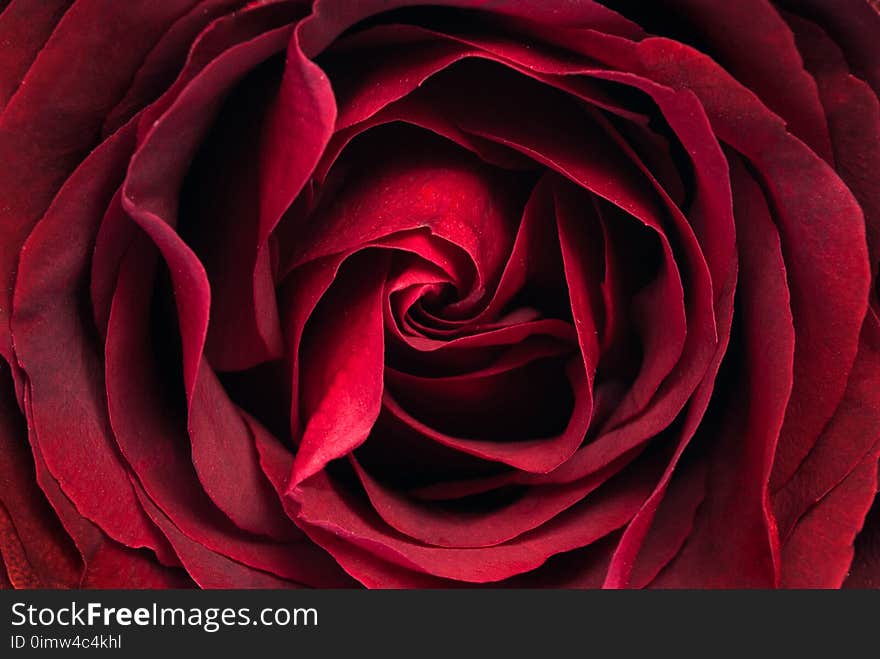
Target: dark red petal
x=32, y=274
x=117, y=566
x=371, y=570
x=579, y=234
x=710, y=215
x=752, y=42
x=853, y=114
x=30, y=523
x=54, y=346
x=822, y=231
x=420, y=182
x=364, y=85
x=149, y=193
x=583, y=568
x=865, y=568
x=244, y=327
x=226, y=461
x=149, y=197
x=844, y=442
x=324, y=505
x=409, y=462
x=209, y=569
x=5, y=583
x=25, y=27
x=534, y=259
x=661, y=343
x=330, y=18
x=707, y=237
x=165, y=60
x=78, y=75
x=819, y=552
x=418, y=111
x=342, y=359
x=519, y=122
x=299, y=125
x=734, y=541
x=222, y=448
x=114, y=237
x=660, y=528
x=523, y=394
x=439, y=527
x=660, y=540
x=219, y=219
x=228, y=32
x=152, y=436
x=851, y=23
x=465, y=352
x=102, y=556
x=537, y=456
x=671, y=526
x=18, y=570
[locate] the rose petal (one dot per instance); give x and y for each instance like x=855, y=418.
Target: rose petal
x=26, y=28
x=17, y=569
x=149, y=198
x=865, y=568
x=152, y=437
x=332, y=509
x=531, y=455
x=342, y=368
x=822, y=232
x=819, y=552
x=752, y=42
x=109, y=41
x=208, y=569
x=166, y=59
x=408, y=461
x=524, y=394
x=328, y=21
x=846, y=439
x=534, y=263
x=429, y=183
x=573, y=161
x=219, y=219
x=439, y=527
x=102, y=557
x=734, y=542
x=851, y=23
x=853, y=114
x=48, y=322
x=671, y=527
x=29, y=521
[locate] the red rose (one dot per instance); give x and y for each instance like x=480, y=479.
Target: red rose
x=517, y=293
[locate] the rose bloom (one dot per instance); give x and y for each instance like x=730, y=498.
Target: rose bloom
x=516, y=293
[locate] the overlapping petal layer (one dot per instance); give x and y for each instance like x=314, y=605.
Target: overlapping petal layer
x=319, y=294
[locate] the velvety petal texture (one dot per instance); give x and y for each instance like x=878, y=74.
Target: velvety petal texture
x=390, y=294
